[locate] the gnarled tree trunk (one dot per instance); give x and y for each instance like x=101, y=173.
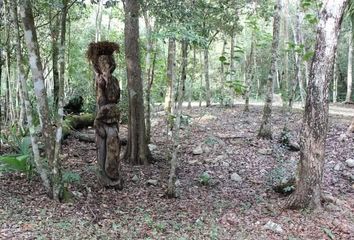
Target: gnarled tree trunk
x=315, y=121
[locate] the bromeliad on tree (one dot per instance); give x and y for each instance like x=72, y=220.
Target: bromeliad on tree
x=100, y=55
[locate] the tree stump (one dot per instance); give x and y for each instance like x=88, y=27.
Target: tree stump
x=107, y=117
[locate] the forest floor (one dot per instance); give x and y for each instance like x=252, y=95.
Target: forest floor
x=236, y=202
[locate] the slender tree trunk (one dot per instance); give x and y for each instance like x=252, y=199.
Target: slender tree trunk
x=171, y=190
x=171, y=59
x=298, y=70
x=222, y=72
x=194, y=70
x=299, y=41
x=335, y=79
x=250, y=73
x=40, y=91
x=54, y=30
x=348, y=96
x=206, y=76
x=201, y=82
x=286, y=85
x=149, y=64
x=56, y=173
x=8, y=95
x=266, y=126
x=232, y=57
x=99, y=20
x=137, y=149
x=315, y=121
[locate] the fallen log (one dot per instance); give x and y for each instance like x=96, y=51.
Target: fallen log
x=90, y=137
x=74, y=122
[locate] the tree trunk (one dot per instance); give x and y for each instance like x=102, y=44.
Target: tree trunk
x=250, y=73
x=149, y=65
x=232, y=58
x=137, y=149
x=335, y=79
x=315, y=121
x=10, y=116
x=266, y=127
x=54, y=30
x=194, y=70
x=171, y=59
x=99, y=20
x=298, y=70
x=286, y=85
x=222, y=72
x=41, y=96
x=201, y=82
x=206, y=77
x=56, y=174
x=171, y=190
x=348, y=97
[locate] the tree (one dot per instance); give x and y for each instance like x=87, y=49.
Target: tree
x=171, y=189
x=348, y=97
x=265, y=130
x=171, y=58
x=51, y=180
x=137, y=149
x=315, y=120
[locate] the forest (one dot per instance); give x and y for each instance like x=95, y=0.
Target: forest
x=176, y=119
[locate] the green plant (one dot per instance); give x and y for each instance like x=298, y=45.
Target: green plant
x=71, y=177
x=22, y=160
x=17, y=163
x=237, y=86
x=205, y=179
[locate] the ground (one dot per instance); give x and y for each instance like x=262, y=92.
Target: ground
x=221, y=209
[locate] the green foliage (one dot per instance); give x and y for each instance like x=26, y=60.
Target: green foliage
x=15, y=163
x=237, y=86
x=21, y=161
x=205, y=179
x=71, y=177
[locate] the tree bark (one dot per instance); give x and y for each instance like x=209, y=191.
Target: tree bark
x=222, y=72
x=171, y=190
x=315, y=121
x=41, y=96
x=232, y=58
x=24, y=91
x=286, y=85
x=194, y=70
x=206, y=77
x=54, y=30
x=335, y=79
x=56, y=173
x=99, y=20
x=10, y=115
x=265, y=130
x=249, y=73
x=149, y=78
x=137, y=149
x=348, y=97
x=171, y=59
